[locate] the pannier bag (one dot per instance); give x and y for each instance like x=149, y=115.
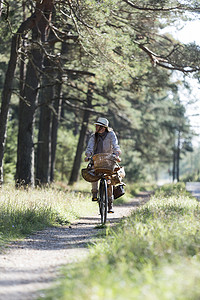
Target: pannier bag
x=118, y=191
x=118, y=176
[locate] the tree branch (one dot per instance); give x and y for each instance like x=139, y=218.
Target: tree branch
x=146, y=8
x=80, y=20
x=76, y=72
x=157, y=60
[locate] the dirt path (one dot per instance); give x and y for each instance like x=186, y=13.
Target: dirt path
x=28, y=266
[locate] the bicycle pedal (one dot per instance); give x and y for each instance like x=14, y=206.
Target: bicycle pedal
x=95, y=199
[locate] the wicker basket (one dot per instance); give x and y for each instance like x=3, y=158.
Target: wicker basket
x=89, y=175
x=104, y=163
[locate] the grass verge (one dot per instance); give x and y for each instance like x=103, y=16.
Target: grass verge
x=24, y=211
x=154, y=254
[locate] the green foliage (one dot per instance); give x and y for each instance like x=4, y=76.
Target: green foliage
x=134, y=189
x=127, y=89
x=190, y=52
x=168, y=190
x=190, y=166
x=149, y=256
x=66, y=150
x=191, y=177
x=134, y=167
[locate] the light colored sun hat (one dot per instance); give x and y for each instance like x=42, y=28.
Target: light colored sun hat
x=102, y=122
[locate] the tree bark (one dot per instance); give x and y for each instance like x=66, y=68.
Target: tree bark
x=55, y=124
x=174, y=165
x=57, y=111
x=25, y=151
x=178, y=157
x=1, y=6
x=44, y=136
x=77, y=160
x=7, y=89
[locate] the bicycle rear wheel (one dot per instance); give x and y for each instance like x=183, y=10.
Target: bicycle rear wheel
x=103, y=200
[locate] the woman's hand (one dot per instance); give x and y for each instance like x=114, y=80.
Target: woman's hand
x=118, y=159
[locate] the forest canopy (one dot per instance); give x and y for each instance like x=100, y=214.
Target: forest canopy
x=64, y=63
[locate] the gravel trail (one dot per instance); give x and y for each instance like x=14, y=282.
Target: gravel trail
x=30, y=265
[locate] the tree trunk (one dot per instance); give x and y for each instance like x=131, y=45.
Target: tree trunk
x=77, y=161
x=25, y=151
x=44, y=136
x=57, y=111
x=22, y=59
x=178, y=157
x=6, y=95
x=7, y=89
x=55, y=123
x=1, y=7
x=174, y=165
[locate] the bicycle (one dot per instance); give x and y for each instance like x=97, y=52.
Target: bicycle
x=102, y=191
x=105, y=163
x=101, y=169
x=103, y=199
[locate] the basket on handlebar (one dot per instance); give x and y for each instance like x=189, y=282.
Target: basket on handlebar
x=104, y=163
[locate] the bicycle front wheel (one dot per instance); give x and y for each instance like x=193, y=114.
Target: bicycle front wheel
x=103, y=200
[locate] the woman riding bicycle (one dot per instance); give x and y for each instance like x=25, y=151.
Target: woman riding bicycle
x=104, y=140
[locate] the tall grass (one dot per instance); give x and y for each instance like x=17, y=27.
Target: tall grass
x=154, y=254
x=24, y=211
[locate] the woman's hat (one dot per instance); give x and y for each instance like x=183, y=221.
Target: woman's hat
x=102, y=122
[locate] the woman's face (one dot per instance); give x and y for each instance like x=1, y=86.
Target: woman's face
x=100, y=129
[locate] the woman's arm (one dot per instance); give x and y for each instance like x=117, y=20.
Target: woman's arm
x=90, y=147
x=115, y=145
